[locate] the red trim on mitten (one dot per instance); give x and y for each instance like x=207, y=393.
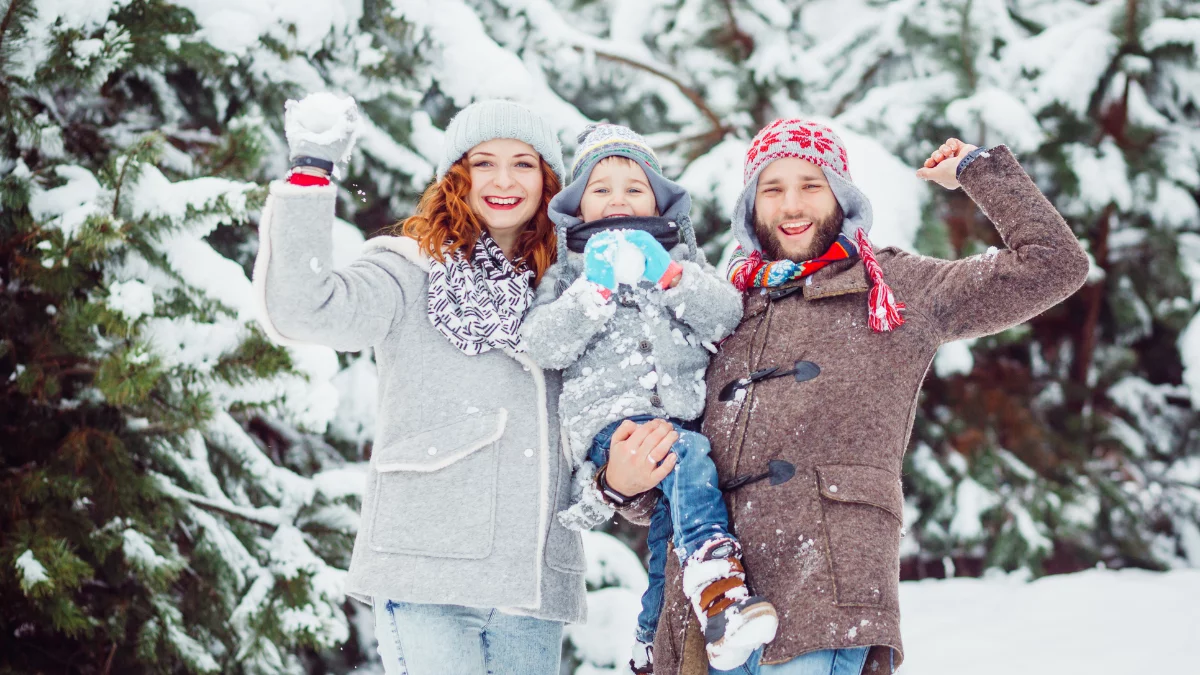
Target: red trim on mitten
x=305, y=179
x=674, y=270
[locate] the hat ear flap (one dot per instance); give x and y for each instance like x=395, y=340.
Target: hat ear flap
x=857, y=208
x=742, y=222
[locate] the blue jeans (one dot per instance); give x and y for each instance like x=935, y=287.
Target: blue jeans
x=825, y=662
x=691, y=512
x=417, y=639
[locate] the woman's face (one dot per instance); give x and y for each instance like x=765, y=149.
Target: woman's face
x=506, y=184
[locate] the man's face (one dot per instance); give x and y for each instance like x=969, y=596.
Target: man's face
x=796, y=215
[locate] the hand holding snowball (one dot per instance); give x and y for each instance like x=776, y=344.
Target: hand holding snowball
x=598, y=258
x=659, y=269
x=321, y=125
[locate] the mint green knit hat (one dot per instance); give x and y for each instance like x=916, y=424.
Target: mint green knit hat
x=483, y=121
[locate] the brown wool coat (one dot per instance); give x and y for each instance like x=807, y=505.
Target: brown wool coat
x=824, y=546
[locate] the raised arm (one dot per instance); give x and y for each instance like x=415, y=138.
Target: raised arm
x=1042, y=264
x=301, y=297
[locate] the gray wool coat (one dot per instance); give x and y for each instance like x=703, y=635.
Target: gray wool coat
x=468, y=469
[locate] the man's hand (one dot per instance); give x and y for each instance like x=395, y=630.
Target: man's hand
x=635, y=454
x=942, y=165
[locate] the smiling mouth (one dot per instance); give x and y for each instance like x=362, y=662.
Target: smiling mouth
x=503, y=203
x=796, y=229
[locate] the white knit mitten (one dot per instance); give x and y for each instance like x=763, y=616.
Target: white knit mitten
x=322, y=126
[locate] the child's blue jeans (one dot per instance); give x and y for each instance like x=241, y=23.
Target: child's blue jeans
x=692, y=511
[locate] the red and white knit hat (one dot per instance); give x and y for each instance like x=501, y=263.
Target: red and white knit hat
x=817, y=143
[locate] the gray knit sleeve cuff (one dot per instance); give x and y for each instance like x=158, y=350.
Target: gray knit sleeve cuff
x=971, y=157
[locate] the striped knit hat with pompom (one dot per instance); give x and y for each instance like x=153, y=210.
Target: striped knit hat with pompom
x=817, y=143
x=601, y=140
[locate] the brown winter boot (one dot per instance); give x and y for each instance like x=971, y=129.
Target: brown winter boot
x=734, y=622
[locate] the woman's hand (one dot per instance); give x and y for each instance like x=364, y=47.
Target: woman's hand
x=322, y=126
x=942, y=165
x=635, y=454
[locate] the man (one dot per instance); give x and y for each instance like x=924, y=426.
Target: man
x=822, y=378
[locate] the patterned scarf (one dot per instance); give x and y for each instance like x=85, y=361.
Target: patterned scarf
x=883, y=311
x=749, y=271
x=478, y=304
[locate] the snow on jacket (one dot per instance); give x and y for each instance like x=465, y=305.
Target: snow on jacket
x=468, y=469
x=824, y=545
x=643, y=352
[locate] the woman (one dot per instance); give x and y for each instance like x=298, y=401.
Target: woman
x=457, y=549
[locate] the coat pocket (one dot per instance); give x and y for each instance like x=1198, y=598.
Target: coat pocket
x=435, y=491
x=564, y=548
x=863, y=513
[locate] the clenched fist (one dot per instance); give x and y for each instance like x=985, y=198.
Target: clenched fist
x=942, y=165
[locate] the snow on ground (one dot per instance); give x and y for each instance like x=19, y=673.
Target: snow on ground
x=1099, y=622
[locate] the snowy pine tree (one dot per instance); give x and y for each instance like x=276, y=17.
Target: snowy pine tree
x=185, y=492
x=171, y=508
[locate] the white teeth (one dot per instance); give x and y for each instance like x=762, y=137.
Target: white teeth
x=502, y=201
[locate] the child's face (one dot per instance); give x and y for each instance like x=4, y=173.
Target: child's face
x=617, y=187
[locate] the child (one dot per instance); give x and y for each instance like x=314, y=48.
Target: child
x=627, y=312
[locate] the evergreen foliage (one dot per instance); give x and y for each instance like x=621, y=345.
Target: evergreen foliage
x=181, y=494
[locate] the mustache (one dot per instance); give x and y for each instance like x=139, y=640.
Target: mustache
x=789, y=218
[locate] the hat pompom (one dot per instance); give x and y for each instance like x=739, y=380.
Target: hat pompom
x=587, y=131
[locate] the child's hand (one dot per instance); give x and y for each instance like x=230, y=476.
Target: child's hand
x=598, y=260
x=660, y=269
x=942, y=165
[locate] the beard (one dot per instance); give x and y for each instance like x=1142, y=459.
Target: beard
x=825, y=232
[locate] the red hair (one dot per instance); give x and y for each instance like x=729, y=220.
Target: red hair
x=444, y=221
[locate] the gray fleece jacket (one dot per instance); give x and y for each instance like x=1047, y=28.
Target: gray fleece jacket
x=645, y=351
x=468, y=470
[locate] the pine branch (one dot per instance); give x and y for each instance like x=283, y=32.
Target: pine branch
x=862, y=84
x=120, y=183
x=250, y=515
x=1095, y=295
x=108, y=663
x=547, y=18
x=4, y=24
x=689, y=92
x=740, y=37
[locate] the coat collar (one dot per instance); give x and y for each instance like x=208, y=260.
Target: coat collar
x=405, y=246
x=838, y=278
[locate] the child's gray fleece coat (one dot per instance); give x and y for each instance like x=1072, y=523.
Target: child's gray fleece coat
x=645, y=351
x=467, y=471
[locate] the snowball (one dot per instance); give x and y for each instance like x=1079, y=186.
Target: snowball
x=321, y=119
x=628, y=263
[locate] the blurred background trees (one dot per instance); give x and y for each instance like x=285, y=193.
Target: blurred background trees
x=181, y=494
